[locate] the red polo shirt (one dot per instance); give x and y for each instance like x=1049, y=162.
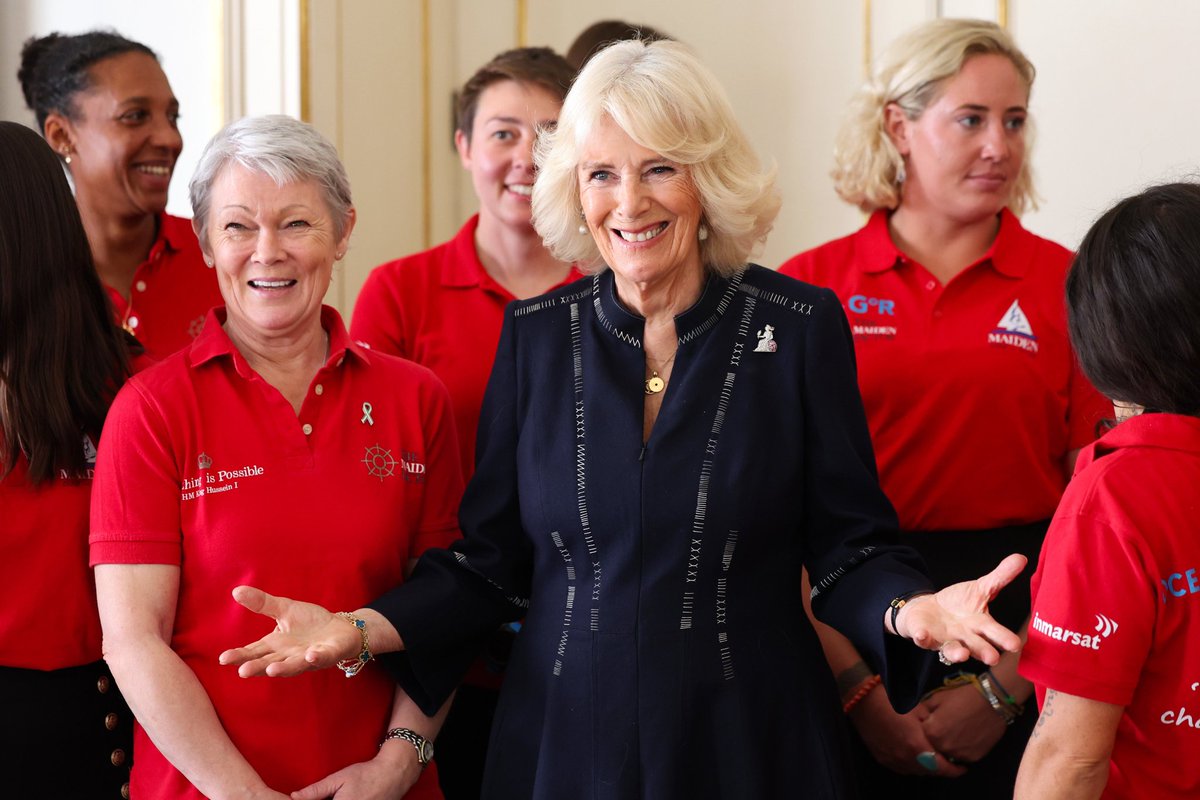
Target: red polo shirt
x=203, y=464
x=44, y=568
x=441, y=309
x=173, y=289
x=1116, y=600
x=971, y=389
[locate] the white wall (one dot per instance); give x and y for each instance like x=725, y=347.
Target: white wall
x=188, y=41
x=1114, y=101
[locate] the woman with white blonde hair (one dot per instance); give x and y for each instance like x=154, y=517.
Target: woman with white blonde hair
x=958, y=322
x=646, y=493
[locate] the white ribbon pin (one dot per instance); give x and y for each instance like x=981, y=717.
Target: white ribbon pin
x=366, y=417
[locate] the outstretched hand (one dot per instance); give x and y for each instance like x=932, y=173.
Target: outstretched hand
x=955, y=621
x=306, y=637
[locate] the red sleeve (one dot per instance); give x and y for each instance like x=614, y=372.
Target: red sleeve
x=378, y=314
x=1093, y=611
x=136, y=492
x=438, y=526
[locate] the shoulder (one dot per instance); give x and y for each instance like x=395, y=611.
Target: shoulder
x=795, y=295
x=554, y=303
x=830, y=258
x=1045, y=258
x=179, y=234
x=416, y=268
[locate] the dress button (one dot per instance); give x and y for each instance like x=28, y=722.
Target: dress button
x=102, y=684
x=125, y=791
x=110, y=721
x=140, y=286
x=307, y=429
x=118, y=757
x=931, y=285
x=133, y=322
x=319, y=389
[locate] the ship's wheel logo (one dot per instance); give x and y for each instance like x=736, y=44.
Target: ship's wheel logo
x=380, y=463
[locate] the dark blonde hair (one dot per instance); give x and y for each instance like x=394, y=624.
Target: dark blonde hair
x=536, y=66
x=911, y=73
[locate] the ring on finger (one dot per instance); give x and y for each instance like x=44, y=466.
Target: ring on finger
x=942, y=655
x=928, y=761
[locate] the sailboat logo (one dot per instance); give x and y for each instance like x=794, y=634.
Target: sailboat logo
x=1014, y=330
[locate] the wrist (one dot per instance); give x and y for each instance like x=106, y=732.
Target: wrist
x=898, y=609
x=352, y=665
x=409, y=741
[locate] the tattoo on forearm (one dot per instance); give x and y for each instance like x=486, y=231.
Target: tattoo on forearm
x=1046, y=712
x=849, y=679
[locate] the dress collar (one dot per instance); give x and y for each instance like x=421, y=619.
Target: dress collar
x=629, y=327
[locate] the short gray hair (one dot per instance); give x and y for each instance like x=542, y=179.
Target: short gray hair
x=280, y=147
x=667, y=101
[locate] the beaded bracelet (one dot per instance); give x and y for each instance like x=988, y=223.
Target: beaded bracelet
x=862, y=691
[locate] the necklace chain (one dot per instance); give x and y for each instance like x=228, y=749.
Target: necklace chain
x=654, y=384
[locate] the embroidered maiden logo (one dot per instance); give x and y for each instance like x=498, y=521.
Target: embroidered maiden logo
x=1014, y=330
x=861, y=304
x=1105, y=627
x=382, y=464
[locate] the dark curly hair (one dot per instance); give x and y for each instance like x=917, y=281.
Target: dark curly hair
x=55, y=68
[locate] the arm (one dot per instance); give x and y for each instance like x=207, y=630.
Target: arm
x=1068, y=754
x=137, y=612
x=965, y=725
x=392, y=772
x=895, y=740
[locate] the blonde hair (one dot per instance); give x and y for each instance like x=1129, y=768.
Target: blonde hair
x=667, y=101
x=910, y=73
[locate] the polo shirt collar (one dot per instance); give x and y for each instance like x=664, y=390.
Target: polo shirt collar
x=1158, y=431
x=1010, y=253
x=629, y=327
x=173, y=235
x=462, y=267
x=213, y=342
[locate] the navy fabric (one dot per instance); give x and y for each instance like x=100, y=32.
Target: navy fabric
x=665, y=652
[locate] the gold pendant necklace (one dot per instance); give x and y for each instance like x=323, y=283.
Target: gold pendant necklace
x=655, y=384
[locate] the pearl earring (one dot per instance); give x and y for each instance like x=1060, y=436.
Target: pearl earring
x=583, y=230
x=703, y=232
x=66, y=154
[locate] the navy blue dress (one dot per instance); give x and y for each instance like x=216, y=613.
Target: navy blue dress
x=665, y=652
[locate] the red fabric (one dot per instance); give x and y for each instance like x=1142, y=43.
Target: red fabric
x=204, y=464
x=44, y=568
x=172, y=291
x=1116, y=600
x=441, y=309
x=48, y=617
x=969, y=416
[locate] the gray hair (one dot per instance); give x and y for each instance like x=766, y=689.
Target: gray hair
x=280, y=147
x=667, y=101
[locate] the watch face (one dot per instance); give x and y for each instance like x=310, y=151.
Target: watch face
x=426, y=752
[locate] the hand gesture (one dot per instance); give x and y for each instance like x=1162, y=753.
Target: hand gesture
x=955, y=621
x=306, y=637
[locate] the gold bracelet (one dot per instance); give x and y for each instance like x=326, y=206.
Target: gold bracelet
x=352, y=666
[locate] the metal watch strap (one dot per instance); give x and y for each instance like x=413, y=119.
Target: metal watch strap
x=423, y=746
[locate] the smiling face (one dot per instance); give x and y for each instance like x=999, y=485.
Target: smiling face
x=642, y=209
x=499, y=155
x=124, y=140
x=273, y=248
x=965, y=151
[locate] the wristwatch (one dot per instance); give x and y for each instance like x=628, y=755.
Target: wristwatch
x=423, y=745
